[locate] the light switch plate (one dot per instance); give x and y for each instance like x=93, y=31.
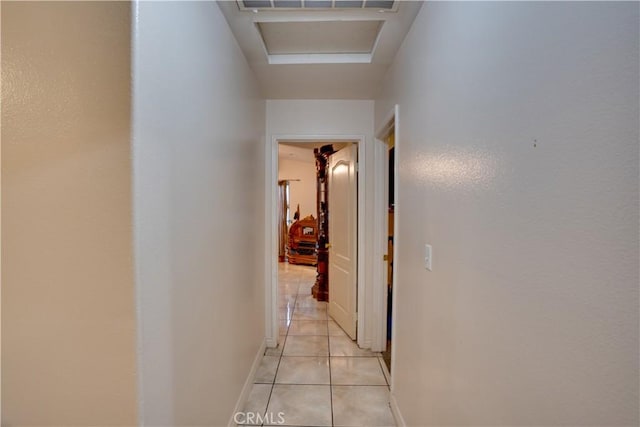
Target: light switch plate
x=428, y=256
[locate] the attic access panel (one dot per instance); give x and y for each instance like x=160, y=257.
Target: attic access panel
x=319, y=37
x=250, y=5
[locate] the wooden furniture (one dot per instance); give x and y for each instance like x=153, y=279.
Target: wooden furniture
x=303, y=235
x=320, y=289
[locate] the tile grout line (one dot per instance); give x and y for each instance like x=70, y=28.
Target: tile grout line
x=273, y=384
x=326, y=318
x=330, y=373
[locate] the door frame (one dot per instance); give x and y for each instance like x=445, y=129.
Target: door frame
x=271, y=226
x=380, y=221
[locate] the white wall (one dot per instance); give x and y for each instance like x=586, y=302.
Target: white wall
x=301, y=192
x=319, y=117
x=198, y=183
x=328, y=118
x=518, y=155
x=68, y=313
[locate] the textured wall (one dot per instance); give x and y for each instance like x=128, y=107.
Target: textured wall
x=68, y=317
x=198, y=200
x=518, y=155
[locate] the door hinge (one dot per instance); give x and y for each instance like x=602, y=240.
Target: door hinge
x=385, y=257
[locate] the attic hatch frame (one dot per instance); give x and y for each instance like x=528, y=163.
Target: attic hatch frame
x=317, y=5
x=321, y=57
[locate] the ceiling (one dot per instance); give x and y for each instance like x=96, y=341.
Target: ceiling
x=340, y=52
x=316, y=4
x=301, y=154
x=319, y=36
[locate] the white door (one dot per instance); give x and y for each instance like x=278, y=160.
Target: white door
x=343, y=229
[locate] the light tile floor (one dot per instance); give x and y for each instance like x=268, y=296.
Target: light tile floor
x=317, y=376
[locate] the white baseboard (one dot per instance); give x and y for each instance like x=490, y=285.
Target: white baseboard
x=248, y=384
x=396, y=411
x=271, y=342
x=385, y=371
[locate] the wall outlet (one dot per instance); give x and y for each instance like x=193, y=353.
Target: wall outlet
x=428, y=255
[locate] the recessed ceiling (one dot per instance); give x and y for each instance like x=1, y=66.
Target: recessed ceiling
x=319, y=75
x=319, y=36
x=317, y=4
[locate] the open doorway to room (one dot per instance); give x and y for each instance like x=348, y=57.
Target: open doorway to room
x=364, y=301
x=390, y=142
x=297, y=204
x=307, y=255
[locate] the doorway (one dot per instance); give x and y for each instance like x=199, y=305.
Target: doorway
x=301, y=144
x=386, y=241
x=390, y=141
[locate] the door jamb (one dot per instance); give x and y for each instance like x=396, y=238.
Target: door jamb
x=271, y=227
x=380, y=237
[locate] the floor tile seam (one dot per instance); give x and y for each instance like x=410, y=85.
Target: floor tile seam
x=305, y=356
x=300, y=384
x=355, y=357
x=330, y=375
x=368, y=357
x=359, y=385
x=308, y=335
x=276, y=373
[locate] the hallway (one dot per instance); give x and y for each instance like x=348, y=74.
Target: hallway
x=316, y=376
x=139, y=170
